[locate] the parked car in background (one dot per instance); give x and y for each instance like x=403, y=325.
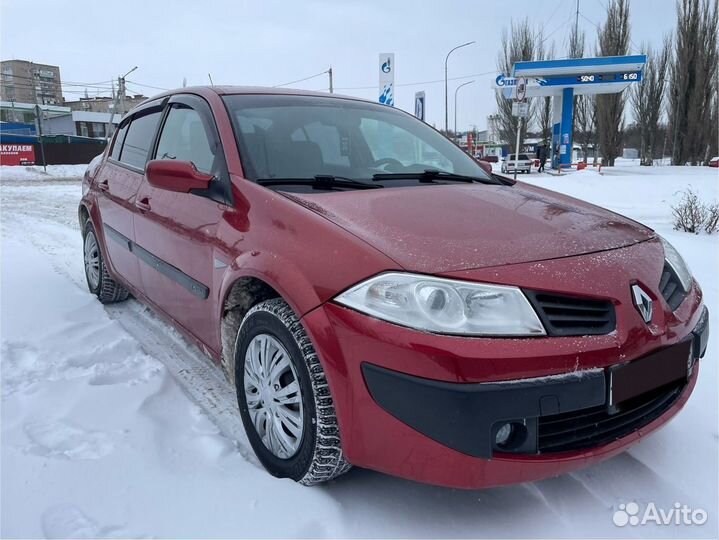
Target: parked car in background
x=490, y=159
x=444, y=325
x=714, y=162
x=523, y=164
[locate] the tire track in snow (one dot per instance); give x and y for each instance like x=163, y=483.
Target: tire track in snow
x=195, y=373
x=48, y=228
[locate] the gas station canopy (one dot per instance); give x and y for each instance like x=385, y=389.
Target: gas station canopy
x=564, y=79
x=602, y=75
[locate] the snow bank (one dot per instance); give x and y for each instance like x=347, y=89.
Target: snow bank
x=642, y=193
x=36, y=172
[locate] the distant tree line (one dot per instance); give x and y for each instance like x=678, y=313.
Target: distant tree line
x=675, y=108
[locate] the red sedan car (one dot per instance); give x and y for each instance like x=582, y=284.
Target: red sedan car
x=379, y=300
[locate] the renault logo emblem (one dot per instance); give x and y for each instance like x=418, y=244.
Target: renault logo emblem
x=642, y=302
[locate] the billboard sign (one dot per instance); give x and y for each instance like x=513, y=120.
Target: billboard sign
x=386, y=79
x=419, y=105
x=17, y=154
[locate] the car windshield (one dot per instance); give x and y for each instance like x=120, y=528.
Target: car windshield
x=303, y=137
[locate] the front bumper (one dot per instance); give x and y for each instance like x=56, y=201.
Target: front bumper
x=375, y=436
x=546, y=414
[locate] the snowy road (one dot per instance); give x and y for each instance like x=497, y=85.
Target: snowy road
x=113, y=425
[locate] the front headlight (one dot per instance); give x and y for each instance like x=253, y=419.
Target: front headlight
x=445, y=306
x=673, y=259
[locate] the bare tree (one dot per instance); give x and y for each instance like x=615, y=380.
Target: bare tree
x=647, y=99
x=544, y=112
x=692, y=85
x=520, y=43
x=585, y=122
x=613, y=40
x=584, y=106
x=714, y=121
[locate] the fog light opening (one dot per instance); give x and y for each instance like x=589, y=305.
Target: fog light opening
x=510, y=436
x=503, y=434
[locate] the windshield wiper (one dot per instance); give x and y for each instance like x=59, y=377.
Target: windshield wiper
x=320, y=181
x=430, y=175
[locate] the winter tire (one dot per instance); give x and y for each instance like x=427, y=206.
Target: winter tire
x=98, y=279
x=284, y=398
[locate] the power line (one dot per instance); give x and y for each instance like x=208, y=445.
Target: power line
x=493, y=72
x=599, y=28
x=562, y=25
x=22, y=78
x=147, y=85
x=24, y=87
x=301, y=80
x=135, y=90
x=549, y=19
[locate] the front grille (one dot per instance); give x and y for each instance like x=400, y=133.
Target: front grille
x=572, y=316
x=595, y=426
x=671, y=287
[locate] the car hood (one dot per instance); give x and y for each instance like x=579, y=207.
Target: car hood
x=444, y=228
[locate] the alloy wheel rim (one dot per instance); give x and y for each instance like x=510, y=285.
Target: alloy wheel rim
x=273, y=396
x=92, y=260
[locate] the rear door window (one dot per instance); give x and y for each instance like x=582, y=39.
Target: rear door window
x=119, y=139
x=139, y=138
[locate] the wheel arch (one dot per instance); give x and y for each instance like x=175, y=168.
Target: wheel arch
x=83, y=214
x=252, y=278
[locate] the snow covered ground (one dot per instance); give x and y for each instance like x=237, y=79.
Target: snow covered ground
x=36, y=173
x=114, y=426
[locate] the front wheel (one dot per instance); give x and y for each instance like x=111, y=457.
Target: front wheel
x=284, y=399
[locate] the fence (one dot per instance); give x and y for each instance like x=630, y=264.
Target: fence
x=68, y=153
x=58, y=150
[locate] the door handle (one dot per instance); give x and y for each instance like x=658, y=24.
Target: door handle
x=143, y=204
x=103, y=186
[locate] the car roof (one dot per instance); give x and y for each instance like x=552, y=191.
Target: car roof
x=225, y=90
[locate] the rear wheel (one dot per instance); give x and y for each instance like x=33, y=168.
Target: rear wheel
x=284, y=398
x=98, y=279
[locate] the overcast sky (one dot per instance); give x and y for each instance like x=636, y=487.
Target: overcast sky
x=272, y=42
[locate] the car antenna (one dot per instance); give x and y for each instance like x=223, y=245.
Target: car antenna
x=210, y=77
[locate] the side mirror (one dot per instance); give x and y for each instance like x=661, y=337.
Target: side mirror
x=486, y=166
x=180, y=176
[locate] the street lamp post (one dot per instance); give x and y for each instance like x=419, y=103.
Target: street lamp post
x=118, y=102
x=446, y=99
x=455, y=105
x=122, y=89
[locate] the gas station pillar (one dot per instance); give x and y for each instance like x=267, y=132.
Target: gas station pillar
x=567, y=128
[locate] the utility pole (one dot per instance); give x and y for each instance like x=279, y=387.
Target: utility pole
x=329, y=72
x=446, y=99
x=112, y=112
x=121, y=89
x=38, y=116
x=121, y=93
x=118, y=99
x=576, y=20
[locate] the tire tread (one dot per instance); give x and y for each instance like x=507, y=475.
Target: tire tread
x=328, y=461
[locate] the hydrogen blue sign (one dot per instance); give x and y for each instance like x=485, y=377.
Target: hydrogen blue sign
x=386, y=79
